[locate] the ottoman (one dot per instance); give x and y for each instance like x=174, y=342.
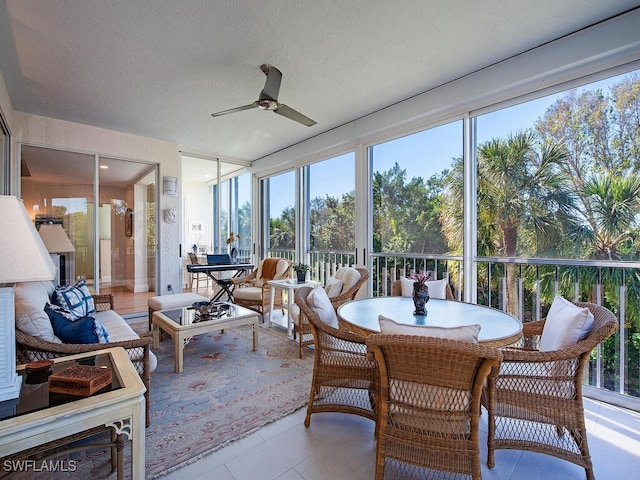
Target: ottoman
x=169, y=302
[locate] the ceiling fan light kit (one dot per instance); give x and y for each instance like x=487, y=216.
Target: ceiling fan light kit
x=268, y=99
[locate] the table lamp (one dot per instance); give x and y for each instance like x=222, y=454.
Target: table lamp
x=23, y=258
x=57, y=243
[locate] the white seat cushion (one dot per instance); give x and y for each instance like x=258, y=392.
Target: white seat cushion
x=179, y=300
x=437, y=288
x=466, y=333
x=248, y=293
x=566, y=325
x=120, y=331
x=320, y=303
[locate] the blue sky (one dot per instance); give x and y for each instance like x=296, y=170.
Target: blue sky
x=422, y=154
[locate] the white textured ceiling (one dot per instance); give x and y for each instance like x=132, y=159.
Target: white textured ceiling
x=159, y=68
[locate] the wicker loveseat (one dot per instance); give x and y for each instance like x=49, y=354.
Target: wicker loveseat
x=35, y=339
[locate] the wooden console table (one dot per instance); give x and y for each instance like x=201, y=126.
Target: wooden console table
x=121, y=408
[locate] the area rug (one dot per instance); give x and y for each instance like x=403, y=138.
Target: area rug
x=226, y=392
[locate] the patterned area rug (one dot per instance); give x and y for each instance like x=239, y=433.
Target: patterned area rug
x=226, y=392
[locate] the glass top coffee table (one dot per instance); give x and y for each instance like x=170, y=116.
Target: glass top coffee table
x=182, y=324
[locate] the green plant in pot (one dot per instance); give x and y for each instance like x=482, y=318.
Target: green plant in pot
x=301, y=270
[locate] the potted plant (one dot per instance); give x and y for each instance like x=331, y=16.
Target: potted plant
x=301, y=270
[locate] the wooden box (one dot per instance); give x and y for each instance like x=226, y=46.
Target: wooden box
x=80, y=380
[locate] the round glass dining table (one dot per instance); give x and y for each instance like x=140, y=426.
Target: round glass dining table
x=497, y=328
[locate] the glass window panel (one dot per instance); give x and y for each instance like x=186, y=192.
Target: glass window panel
x=409, y=180
x=332, y=204
x=280, y=213
x=243, y=215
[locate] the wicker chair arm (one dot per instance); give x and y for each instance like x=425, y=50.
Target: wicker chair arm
x=103, y=301
x=338, y=300
x=28, y=342
x=533, y=328
x=249, y=278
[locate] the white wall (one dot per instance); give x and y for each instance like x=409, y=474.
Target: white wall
x=48, y=132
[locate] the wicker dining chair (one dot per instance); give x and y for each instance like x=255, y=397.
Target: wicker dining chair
x=535, y=401
x=343, y=376
x=429, y=405
x=302, y=328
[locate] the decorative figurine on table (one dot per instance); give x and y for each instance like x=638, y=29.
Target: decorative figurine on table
x=233, y=251
x=420, y=292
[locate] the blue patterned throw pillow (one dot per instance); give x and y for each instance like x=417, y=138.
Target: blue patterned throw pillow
x=76, y=330
x=76, y=299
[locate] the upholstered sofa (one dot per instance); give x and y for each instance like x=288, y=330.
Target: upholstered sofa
x=36, y=340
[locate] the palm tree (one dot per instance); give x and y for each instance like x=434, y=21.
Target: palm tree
x=610, y=226
x=522, y=201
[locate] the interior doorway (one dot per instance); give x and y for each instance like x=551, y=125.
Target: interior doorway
x=107, y=208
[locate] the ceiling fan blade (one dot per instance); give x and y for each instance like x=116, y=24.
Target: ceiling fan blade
x=272, y=85
x=294, y=115
x=237, y=109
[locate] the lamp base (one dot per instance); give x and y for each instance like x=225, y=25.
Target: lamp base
x=10, y=381
x=9, y=392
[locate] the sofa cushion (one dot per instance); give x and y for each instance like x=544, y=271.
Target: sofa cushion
x=120, y=331
x=33, y=292
x=566, y=324
x=437, y=288
x=81, y=330
x=349, y=277
x=32, y=320
x=320, y=303
x=76, y=299
x=466, y=333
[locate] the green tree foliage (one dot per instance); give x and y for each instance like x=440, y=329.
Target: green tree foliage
x=282, y=230
x=406, y=213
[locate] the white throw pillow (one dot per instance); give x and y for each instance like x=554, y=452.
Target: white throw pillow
x=566, y=325
x=349, y=277
x=319, y=301
x=333, y=287
x=32, y=320
x=466, y=333
x=437, y=288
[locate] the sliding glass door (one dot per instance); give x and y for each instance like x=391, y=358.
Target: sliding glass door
x=107, y=208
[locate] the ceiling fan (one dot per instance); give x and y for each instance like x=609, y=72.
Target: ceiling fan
x=268, y=99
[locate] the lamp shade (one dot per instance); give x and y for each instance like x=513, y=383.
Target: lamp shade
x=55, y=239
x=23, y=256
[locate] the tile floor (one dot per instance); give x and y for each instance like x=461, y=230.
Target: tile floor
x=342, y=447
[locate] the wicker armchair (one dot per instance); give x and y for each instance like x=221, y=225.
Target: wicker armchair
x=253, y=290
x=301, y=326
x=343, y=376
x=535, y=402
x=29, y=348
x=429, y=404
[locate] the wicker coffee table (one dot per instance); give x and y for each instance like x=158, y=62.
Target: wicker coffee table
x=183, y=324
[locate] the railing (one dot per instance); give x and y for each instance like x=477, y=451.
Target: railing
x=322, y=264
x=614, y=365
